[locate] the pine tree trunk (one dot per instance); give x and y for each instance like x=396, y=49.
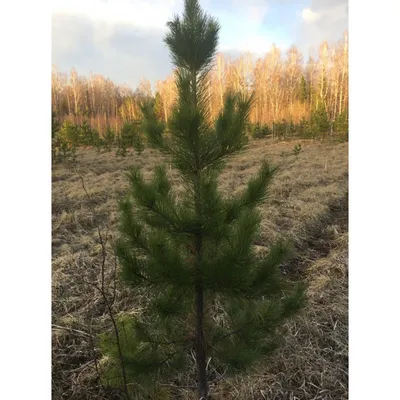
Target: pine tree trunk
x=199, y=295
x=199, y=304
x=200, y=348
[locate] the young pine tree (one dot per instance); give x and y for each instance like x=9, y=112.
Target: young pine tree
x=55, y=125
x=137, y=143
x=55, y=128
x=209, y=294
x=303, y=90
x=87, y=134
x=319, y=121
x=341, y=124
x=158, y=106
x=108, y=138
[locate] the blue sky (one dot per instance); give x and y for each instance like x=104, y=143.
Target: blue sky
x=122, y=39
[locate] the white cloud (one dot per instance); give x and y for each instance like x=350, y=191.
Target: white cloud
x=257, y=14
x=309, y=15
x=123, y=38
x=256, y=44
x=101, y=35
x=242, y=26
x=324, y=20
x=145, y=14
x=254, y=11
x=119, y=51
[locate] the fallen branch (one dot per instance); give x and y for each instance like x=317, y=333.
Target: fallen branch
x=103, y=291
x=66, y=328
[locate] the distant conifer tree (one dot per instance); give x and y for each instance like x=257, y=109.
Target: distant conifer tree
x=55, y=124
x=303, y=92
x=341, y=124
x=319, y=120
x=55, y=128
x=108, y=138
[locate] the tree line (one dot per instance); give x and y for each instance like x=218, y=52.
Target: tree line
x=291, y=98
x=287, y=90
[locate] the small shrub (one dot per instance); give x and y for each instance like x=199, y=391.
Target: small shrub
x=280, y=129
x=259, y=131
x=97, y=140
x=130, y=137
x=319, y=121
x=87, y=134
x=341, y=124
x=125, y=139
x=138, y=143
x=63, y=150
x=66, y=141
x=55, y=125
x=297, y=149
x=72, y=134
x=292, y=128
x=55, y=128
x=108, y=138
x=304, y=128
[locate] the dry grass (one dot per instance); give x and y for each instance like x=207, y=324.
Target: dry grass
x=308, y=202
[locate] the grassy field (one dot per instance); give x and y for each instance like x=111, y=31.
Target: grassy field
x=308, y=203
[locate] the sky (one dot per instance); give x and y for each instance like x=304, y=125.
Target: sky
x=123, y=39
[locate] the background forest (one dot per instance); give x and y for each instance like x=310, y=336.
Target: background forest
x=289, y=91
